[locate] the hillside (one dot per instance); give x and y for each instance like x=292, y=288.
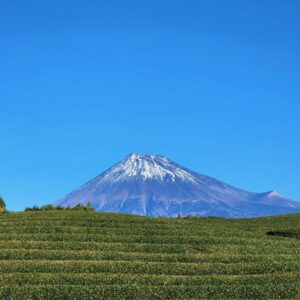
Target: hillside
x=87, y=255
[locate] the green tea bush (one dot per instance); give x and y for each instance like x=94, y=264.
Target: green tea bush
x=58, y=253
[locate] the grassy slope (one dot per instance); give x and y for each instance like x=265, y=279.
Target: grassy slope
x=80, y=255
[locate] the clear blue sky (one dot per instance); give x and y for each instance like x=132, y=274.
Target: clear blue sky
x=213, y=85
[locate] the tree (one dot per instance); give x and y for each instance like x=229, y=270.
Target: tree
x=79, y=206
x=2, y=205
x=48, y=207
x=33, y=208
x=89, y=207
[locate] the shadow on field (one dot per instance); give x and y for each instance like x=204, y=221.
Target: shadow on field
x=288, y=234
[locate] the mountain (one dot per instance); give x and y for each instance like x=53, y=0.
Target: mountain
x=153, y=185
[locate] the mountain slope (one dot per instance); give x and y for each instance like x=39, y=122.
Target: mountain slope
x=152, y=185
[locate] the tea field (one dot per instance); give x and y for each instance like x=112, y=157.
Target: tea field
x=88, y=255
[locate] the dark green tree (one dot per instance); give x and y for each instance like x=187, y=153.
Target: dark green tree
x=48, y=207
x=79, y=206
x=2, y=205
x=89, y=207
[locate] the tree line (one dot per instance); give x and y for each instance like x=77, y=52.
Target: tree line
x=87, y=207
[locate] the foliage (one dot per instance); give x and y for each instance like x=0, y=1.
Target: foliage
x=79, y=206
x=59, y=253
x=2, y=205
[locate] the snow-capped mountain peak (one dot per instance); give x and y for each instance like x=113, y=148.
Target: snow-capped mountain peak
x=153, y=185
x=147, y=167
x=273, y=194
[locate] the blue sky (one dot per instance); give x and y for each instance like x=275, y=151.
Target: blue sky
x=213, y=85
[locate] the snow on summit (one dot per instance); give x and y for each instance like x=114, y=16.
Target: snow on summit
x=147, y=166
x=153, y=185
